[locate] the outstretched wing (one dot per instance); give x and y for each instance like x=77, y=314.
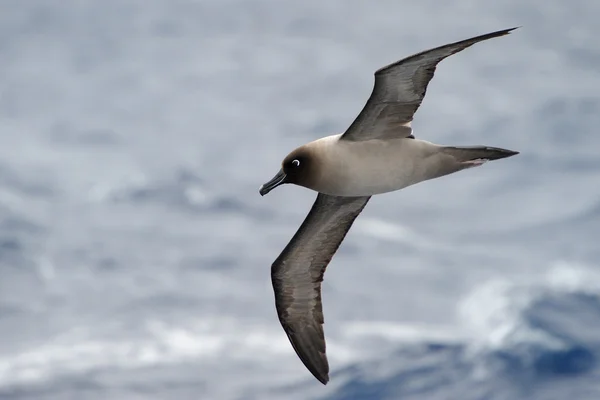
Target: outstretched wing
x=298, y=272
x=399, y=90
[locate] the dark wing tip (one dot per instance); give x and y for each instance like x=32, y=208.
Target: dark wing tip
x=498, y=33
x=323, y=379
x=321, y=375
x=510, y=29
x=462, y=44
x=309, y=344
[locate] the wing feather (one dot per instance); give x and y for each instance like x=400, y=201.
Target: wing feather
x=298, y=272
x=399, y=90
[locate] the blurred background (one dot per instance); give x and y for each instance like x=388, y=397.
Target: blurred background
x=135, y=250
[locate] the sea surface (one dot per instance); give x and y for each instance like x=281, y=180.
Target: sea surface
x=135, y=250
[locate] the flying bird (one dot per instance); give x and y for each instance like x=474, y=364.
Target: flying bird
x=376, y=154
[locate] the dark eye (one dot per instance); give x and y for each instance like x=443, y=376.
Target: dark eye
x=295, y=163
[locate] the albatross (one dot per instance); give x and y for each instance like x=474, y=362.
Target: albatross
x=378, y=153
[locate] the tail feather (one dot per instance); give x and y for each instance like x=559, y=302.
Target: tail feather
x=477, y=155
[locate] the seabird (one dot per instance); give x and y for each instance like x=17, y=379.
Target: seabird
x=377, y=154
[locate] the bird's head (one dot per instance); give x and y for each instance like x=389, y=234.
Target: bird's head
x=297, y=168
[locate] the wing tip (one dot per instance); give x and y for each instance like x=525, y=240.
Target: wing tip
x=315, y=361
x=323, y=378
x=320, y=375
x=319, y=369
x=383, y=70
x=508, y=31
x=491, y=35
x=321, y=372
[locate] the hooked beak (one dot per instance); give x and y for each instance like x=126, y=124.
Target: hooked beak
x=277, y=180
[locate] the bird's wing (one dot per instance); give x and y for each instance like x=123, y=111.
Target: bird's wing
x=399, y=90
x=298, y=272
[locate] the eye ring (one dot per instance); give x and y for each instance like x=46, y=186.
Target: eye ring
x=296, y=163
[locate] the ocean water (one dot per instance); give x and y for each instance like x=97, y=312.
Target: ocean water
x=135, y=250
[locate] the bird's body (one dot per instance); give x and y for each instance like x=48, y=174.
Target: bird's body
x=377, y=154
x=370, y=167
x=378, y=166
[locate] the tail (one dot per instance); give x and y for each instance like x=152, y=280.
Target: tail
x=476, y=155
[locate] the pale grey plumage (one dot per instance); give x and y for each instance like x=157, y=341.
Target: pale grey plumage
x=376, y=154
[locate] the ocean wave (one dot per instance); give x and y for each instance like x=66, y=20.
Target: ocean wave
x=526, y=339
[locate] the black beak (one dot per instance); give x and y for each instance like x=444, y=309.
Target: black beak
x=277, y=180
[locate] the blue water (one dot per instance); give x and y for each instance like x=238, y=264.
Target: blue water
x=135, y=250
